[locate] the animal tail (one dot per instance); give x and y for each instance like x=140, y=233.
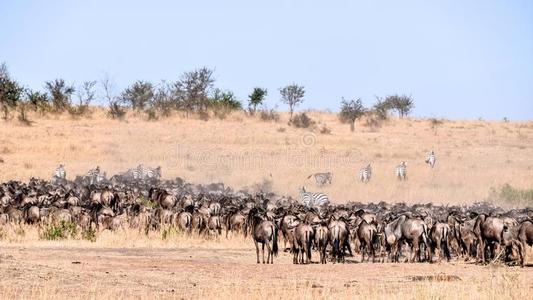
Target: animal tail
x=309, y=243
x=275, y=240
x=227, y=219
x=336, y=243
x=445, y=243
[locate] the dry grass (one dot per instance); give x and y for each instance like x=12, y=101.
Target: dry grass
x=127, y=264
x=241, y=151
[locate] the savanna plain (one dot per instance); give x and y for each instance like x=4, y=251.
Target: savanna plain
x=474, y=160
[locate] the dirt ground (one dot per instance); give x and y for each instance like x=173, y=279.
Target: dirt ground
x=52, y=271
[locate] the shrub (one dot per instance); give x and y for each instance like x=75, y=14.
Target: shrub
x=151, y=114
x=373, y=120
x=89, y=235
x=147, y=202
x=302, y=121
x=256, y=98
x=60, y=94
x=60, y=231
x=116, y=111
x=269, y=115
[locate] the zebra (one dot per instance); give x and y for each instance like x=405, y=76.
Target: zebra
x=430, y=160
x=322, y=178
x=401, y=171
x=142, y=173
x=310, y=199
x=59, y=172
x=365, y=173
x=151, y=173
x=95, y=175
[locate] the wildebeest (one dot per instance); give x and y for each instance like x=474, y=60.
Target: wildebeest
x=263, y=232
x=525, y=236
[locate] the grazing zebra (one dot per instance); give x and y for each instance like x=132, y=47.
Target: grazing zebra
x=151, y=173
x=313, y=199
x=321, y=178
x=401, y=171
x=430, y=160
x=95, y=175
x=143, y=173
x=59, y=172
x=365, y=173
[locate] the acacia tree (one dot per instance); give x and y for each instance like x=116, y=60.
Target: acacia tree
x=402, y=104
x=256, y=98
x=292, y=95
x=351, y=111
x=60, y=94
x=86, y=94
x=115, y=104
x=193, y=89
x=226, y=99
x=10, y=91
x=139, y=95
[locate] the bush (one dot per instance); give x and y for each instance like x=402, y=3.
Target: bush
x=373, y=120
x=60, y=231
x=116, y=111
x=302, y=121
x=89, y=235
x=269, y=115
x=151, y=114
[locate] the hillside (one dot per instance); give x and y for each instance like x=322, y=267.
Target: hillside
x=243, y=151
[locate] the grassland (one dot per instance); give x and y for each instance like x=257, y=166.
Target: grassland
x=127, y=264
x=243, y=151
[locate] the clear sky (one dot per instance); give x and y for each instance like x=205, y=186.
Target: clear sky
x=458, y=59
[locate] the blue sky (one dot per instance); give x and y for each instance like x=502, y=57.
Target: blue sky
x=458, y=59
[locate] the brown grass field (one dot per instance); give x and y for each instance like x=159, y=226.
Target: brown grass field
x=243, y=151
x=127, y=264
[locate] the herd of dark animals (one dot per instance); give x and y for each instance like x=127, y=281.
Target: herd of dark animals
x=382, y=232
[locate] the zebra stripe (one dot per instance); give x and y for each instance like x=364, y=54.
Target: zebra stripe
x=310, y=199
x=321, y=178
x=430, y=160
x=365, y=173
x=96, y=175
x=59, y=172
x=142, y=173
x=151, y=173
x=401, y=171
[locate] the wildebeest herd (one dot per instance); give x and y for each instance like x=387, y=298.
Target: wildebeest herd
x=378, y=232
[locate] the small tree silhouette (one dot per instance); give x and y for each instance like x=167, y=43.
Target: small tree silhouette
x=292, y=95
x=351, y=111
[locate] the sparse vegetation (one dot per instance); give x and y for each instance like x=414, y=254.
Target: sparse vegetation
x=302, y=120
x=60, y=94
x=292, y=95
x=256, y=99
x=351, y=111
x=269, y=115
x=58, y=231
x=511, y=196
